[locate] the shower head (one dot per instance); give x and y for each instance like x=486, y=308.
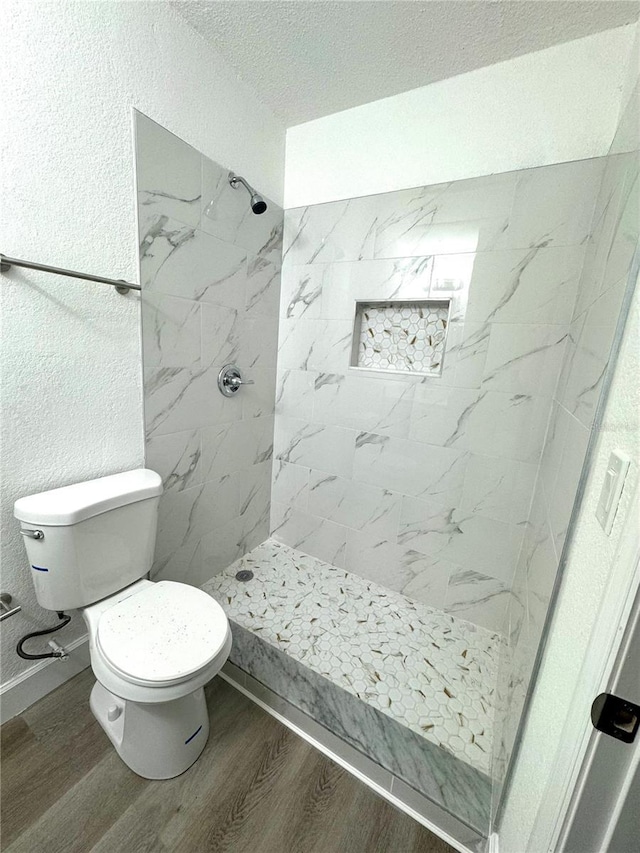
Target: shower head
x=258, y=204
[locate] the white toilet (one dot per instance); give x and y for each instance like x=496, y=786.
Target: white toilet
x=153, y=646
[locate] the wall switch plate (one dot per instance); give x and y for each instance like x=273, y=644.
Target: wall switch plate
x=612, y=486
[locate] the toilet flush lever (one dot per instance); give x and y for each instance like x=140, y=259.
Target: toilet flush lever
x=33, y=534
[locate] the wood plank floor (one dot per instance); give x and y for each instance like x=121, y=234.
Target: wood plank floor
x=257, y=787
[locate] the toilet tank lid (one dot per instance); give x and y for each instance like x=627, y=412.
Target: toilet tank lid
x=71, y=504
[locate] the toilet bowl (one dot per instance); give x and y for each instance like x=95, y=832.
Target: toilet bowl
x=153, y=645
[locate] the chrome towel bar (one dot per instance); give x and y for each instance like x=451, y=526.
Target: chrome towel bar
x=120, y=285
x=6, y=609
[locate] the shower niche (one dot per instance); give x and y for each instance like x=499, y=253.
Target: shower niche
x=400, y=336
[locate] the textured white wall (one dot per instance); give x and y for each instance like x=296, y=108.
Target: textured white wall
x=547, y=107
x=71, y=390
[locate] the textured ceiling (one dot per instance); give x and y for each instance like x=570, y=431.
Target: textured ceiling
x=310, y=58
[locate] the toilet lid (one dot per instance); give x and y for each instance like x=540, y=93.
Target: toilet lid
x=164, y=633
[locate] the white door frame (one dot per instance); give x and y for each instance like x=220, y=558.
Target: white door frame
x=597, y=673
x=610, y=768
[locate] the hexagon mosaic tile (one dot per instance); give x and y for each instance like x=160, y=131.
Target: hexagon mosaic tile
x=431, y=672
x=401, y=336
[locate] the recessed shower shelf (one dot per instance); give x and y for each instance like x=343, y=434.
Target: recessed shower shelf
x=396, y=336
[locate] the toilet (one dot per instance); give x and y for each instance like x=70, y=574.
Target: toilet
x=153, y=645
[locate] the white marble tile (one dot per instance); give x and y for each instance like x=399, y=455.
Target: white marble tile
x=562, y=497
x=178, y=399
x=322, y=345
x=302, y=290
x=258, y=344
x=262, y=234
x=465, y=215
x=470, y=541
x=185, y=517
x=337, y=231
x=417, y=576
x=254, y=488
x=411, y=468
x=290, y=485
x=221, y=547
x=427, y=528
x=488, y=423
x=170, y=332
x=183, y=565
x=325, y=448
x=399, y=278
x=183, y=261
x=440, y=413
x=263, y=288
x=503, y=425
x=524, y=359
x=477, y=598
x=554, y=205
x=376, y=559
x=236, y=446
x=223, y=207
x=167, y=173
x=374, y=404
x=541, y=566
x=315, y=536
x=625, y=236
x=588, y=351
x=499, y=489
x=258, y=400
x=221, y=335
x=430, y=578
x=279, y=511
x=255, y=526
x=516, y=607
x=627, y=138
x=451, y=238
x=487, y=545
x=177, y=458
x=295, y=393
x=352, y=504
x=535, y=285
x=614, y=231
x=227, y=214
x=465, y=354
x=554, y=445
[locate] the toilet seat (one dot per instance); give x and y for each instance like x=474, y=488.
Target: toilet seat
x=162, y=635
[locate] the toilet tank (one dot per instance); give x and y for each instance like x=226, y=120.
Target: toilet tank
x=87, y=541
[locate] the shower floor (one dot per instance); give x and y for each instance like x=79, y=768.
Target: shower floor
x=429, y=671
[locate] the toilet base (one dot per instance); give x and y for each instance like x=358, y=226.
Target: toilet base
x=156, y=741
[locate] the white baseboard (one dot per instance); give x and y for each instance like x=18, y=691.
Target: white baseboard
x=21, y=692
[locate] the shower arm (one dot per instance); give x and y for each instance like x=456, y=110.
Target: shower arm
x=234, y=180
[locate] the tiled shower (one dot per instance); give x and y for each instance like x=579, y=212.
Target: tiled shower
x=399, y=477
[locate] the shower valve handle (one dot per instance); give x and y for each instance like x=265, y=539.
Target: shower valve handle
x=236, y=382
x=230, y=380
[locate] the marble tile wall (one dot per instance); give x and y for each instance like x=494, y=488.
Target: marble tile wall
x=610, y=247
x=210, y=275
x=424, y=484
